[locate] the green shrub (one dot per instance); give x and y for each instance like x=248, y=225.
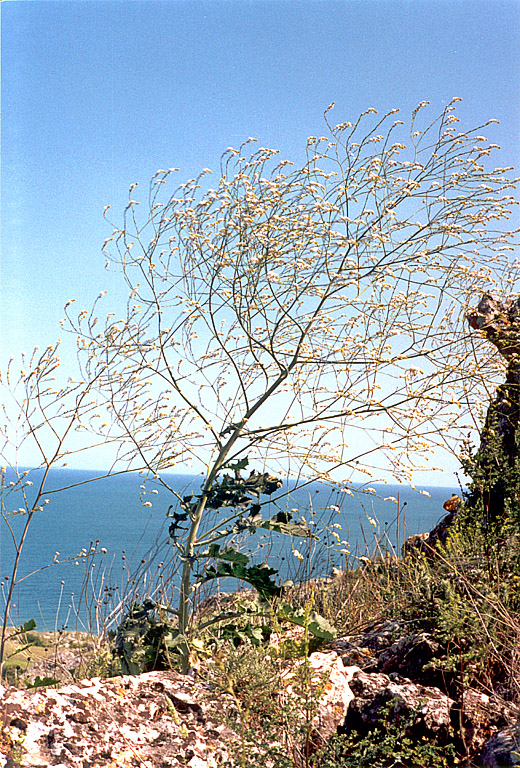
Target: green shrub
x=387, y=746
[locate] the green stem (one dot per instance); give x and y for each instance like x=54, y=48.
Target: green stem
x=189, y=548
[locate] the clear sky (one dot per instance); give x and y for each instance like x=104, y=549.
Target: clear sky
x=97, y=94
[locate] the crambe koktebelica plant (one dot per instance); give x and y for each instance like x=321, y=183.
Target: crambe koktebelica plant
x=306, y=316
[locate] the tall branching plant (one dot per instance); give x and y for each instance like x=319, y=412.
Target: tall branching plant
x=292, y=310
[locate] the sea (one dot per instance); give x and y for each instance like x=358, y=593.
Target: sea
x=98, y=545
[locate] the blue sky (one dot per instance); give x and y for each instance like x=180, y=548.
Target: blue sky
x=98, y=94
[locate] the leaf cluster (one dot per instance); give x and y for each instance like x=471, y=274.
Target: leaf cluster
x=389, y=745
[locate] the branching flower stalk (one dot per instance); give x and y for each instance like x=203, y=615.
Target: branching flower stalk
x=38, y=413
x=309, y=318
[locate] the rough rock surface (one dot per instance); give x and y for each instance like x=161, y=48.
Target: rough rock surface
x=410, y=654
x=503, y=749
x=332, y=679
x=477, y=717
x=385, y=652
x=386, y=647
x=363, y=648
x=427, y=709
x=166, y=720
x=154, y=720
x=329, y=680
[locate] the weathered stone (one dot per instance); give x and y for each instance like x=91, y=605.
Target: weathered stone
x=386, y=648
x=166, y=720
x=332, y=678
x=326, y=679
x=375, y=638
x=503, y=749
x=409, y=655
x=425, y=710
x=364, y=648
x=362, y=657
x=476, y=718
x=156, y=719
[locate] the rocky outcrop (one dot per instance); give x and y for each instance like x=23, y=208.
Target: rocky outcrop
x=499, y=321
x=154, y=720
x=424, y=710
x=503, y=749
x=167, y=720
x=477, y=717
x=325, y=679
x=402, y=673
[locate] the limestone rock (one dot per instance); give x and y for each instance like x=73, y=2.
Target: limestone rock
x=330, y=675
x=373, y=639
x=477, y=717
x=327, y=679
x=427, y=708
x=409, y=655
x=387, y=648
x=167, y=720
x=155, y=720
x=503, y=749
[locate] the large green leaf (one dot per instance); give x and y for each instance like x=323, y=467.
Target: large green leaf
x=27, y=627
x=259, y=576
x=315, y=623
x=283, y=523
x=228, y=553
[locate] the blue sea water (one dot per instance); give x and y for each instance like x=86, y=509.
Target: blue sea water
x=133, y=555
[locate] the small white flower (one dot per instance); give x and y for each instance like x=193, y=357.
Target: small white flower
x=147, y=504
x=372, y=521
x=297, y=554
